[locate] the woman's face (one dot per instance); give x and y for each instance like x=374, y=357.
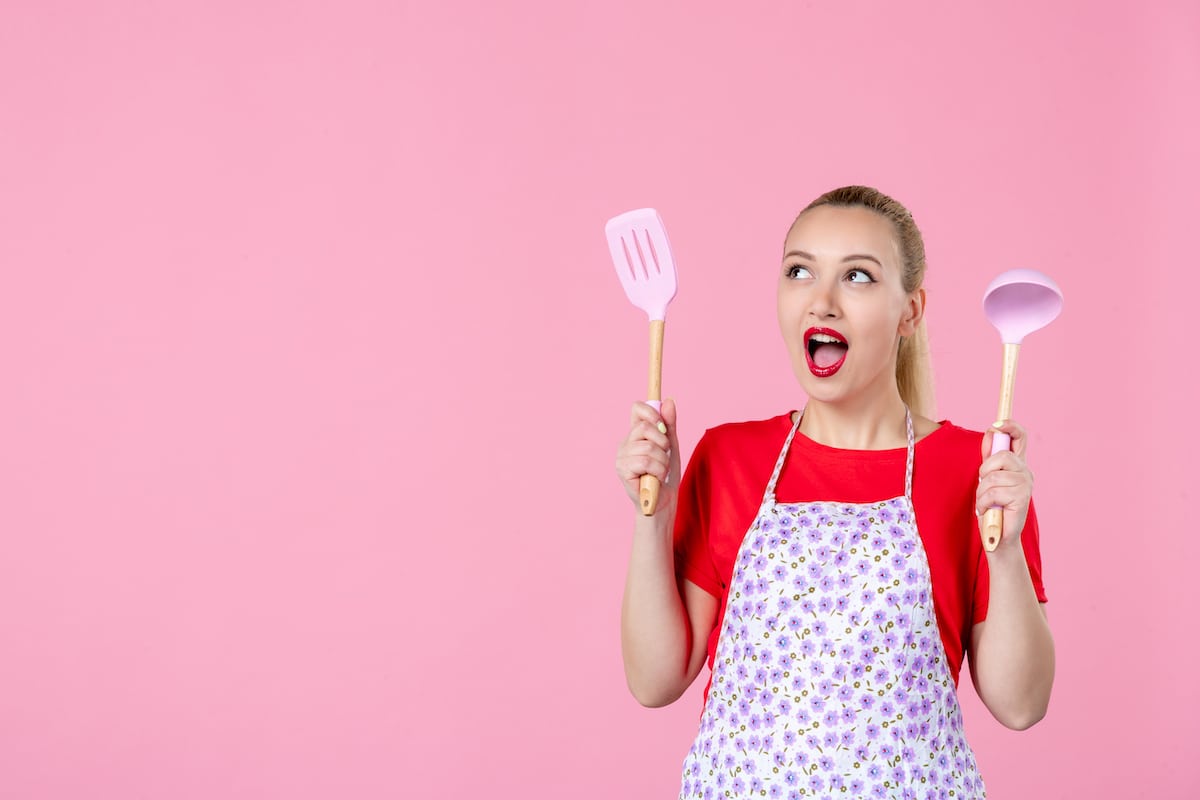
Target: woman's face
x=842, y=306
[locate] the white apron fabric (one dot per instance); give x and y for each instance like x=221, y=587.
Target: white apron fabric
x=830, y=679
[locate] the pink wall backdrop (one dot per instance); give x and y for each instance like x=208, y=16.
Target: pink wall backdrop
x=314, y=366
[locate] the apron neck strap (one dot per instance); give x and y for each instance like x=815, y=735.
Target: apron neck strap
x=769, y=495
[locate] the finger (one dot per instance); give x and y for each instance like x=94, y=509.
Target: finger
x=1004, y=461
x=633, y=467
x=645, y=430
x=1018, y=438
x=644, y=411
x=1010, y=498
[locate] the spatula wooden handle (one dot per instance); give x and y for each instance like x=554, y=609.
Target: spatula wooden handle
x=648, y=486
x=992, y=526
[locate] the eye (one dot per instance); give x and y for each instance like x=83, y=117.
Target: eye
x=798, y=271
x=859, y=276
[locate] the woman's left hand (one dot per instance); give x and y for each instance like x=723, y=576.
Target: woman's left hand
x=1005, y=480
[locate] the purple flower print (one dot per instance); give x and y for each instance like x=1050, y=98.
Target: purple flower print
x=737, y=786
x=885, y=514
x=872, y=731
x=755, y=722
x=857, y=669
x=855, y=787
x=773, y=541
x=790, y=777
x=837, y=540
x=841, y=603
x=756, y=785
x=867, y=701
x=766, y=697
x=825, y=605
x=825, y=762
x=849, y=715
x=807, y=606
x=845, y=692
x=862, y=752
x=771, y=622
x=784, y=603
x=795, y=549
x=828, y=582
x=866, y=636
x=897, y=562
x=780, y=572
x=886, y=708
x=889, y=640
x=830, y=719
x=847, y=736
x=743, y=706
x=740, y=743
x=830, y=739
x=884, y=575
x=874, y=772
x=862, y=567
x=908, y=547
x=760, y=563
x=816, y=783
x=877, y=791
x=814, y=571
x=785, y=521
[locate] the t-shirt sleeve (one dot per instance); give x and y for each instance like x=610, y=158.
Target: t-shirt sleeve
x=1033, y=557
x=693, y=556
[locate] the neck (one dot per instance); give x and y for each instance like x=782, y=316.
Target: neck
x=871, y=423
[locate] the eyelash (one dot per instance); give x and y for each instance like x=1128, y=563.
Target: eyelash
x=792, y=270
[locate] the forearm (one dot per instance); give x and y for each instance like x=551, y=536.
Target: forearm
x=656, y=640
x=1014, y=653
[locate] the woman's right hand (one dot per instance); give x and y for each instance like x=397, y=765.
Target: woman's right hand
x=648, y=450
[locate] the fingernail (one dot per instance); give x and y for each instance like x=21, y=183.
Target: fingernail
x=999, y=424
x=662, y=428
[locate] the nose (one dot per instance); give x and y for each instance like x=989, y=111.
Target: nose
x=824, y=300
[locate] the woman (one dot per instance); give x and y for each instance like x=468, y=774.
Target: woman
x=827, y=562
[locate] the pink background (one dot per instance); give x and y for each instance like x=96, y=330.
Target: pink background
x=315, y=366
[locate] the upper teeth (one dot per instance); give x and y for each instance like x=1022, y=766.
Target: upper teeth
x=825, y=337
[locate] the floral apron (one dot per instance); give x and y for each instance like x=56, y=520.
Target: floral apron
x=830, y=679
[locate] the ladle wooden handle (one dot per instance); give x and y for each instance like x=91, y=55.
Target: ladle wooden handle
x=648, y=485
x=991, y=528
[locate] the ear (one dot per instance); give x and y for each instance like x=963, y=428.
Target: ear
x=914, y=312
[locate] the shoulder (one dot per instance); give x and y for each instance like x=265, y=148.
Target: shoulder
x=738, y=437
x=951, y=445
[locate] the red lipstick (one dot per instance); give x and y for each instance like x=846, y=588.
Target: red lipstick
x=825, y=350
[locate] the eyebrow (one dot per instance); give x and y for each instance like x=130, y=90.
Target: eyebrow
x=852, y=257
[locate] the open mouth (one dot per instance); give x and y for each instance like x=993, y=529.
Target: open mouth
x=826, y=351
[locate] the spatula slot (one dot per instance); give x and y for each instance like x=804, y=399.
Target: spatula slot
x=641, y=255
x=628, y=259
x=653, y=252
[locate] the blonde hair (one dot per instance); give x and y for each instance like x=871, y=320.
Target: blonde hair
x=914, y=369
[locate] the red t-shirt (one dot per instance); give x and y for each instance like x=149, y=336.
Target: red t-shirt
x=723, y=486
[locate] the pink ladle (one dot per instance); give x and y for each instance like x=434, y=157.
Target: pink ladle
x=1018, y=302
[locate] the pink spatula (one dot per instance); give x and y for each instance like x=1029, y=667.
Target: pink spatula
x=641, y=253
x=1017, y=303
